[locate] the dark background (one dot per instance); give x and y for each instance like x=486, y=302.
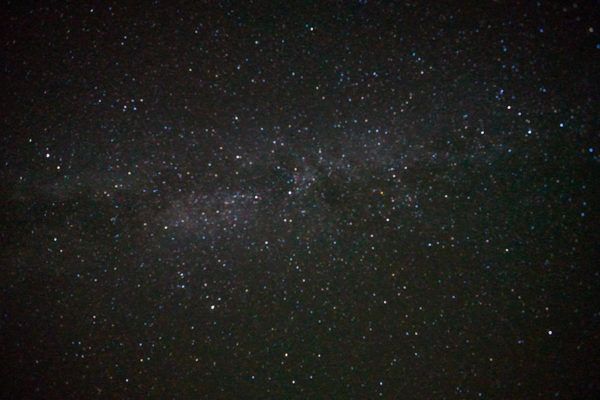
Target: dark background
x=351, y=199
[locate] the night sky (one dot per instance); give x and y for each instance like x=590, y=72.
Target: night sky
x=304, y=200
